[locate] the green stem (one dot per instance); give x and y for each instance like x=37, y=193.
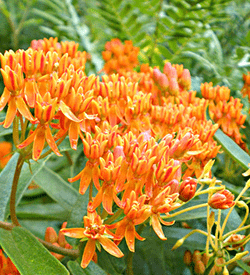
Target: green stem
x=187, y=209
x=130, y=263
x=19, y=166
x=114, y=217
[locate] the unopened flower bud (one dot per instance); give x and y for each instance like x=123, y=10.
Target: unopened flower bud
x=199, y=267
x=178, y=244
x=196, y=256
x=187, y=189
x=222, y=200
x=187, y=259
x=51, y=235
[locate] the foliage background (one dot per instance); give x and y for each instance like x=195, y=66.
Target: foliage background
x=211, y=38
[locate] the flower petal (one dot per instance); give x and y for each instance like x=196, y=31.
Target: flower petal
x=67, y=112
x=88, y=253
x=4, y=98
x=23, y=109
x=110, y=247
x=11, y=113
x=130, y=237
x=74, y=128
x=157, y=227
x=51, y=141
x=73, y=232
x=38, y=144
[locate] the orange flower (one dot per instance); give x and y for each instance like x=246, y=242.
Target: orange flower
x=44, y=111
x=93, y=150
x=222, y=200
x=162, y=201
x=136, y=212
x=12, y=94
x=97, y=234
x=6, y=266
x=5, y=153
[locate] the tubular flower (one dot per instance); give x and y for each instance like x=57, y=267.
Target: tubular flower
x=109, y=171
x=163, y=201
x=73, y=107
x=6, y=266
x=136, y=212
x=187, y=189
x=93, y=150
x=221, y=200
x=96, y=234
x=14, y=82
x=44, y=111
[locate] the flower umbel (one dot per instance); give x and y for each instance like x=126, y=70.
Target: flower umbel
x=97, y=234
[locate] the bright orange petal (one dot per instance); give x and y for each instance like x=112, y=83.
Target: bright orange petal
x=23, y=109
x=97, y=199
x=130, y=237
x=74, y=128
x=73, y=232
x=67, y=112
x=28, y=140
x=11, y=113
x=4, y=98
x=107, y=200
x=38, y=144
x=110, y=247
x=85, y=179
x=51, y=141
x=157, y=227
x=88, y=253
x=166, y=223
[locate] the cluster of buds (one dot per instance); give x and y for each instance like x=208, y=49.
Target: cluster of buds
x=197, y=263
x=57, y=239
x=119, y=57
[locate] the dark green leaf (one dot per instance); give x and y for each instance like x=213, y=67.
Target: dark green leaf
x=244, y=266
x=231, y=148
x=6, y=179
x=28, y=254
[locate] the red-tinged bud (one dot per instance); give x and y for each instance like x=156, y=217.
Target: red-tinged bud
x=187, y=258
x=205, y=258
x=196, y=256
x=170, y=71
x=187, y=189
x=161, y=79
x=51, y=235
x=199, y=268
x=185, y=79
x=118, y=152
x=173, y=87
x=222, y=200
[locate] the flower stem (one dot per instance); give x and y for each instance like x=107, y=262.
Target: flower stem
x=19, y=166
x=187, y=209
x=130, y=263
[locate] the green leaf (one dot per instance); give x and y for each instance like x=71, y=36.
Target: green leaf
x=6, y=179
x=231, y=148
x=58, y=189
x=244, y=266
x=46, y=211
x=28, y=254
x=92, y=268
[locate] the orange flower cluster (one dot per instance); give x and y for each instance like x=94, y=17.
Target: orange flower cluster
x=57, y=240
x=118, y=57
x=225, y=111
x=6, y=266
x=144, y=141
x=5, y=153
x=246, y=88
